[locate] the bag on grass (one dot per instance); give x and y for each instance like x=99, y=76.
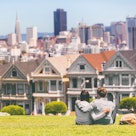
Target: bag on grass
x=128, y=119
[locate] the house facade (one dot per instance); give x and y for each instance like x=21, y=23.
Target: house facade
x=51, y=81
x=86, y=73
x=35, y=83
x=15, y=85
x=120, y=76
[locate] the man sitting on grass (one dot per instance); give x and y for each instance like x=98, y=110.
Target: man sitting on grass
x=100, y=111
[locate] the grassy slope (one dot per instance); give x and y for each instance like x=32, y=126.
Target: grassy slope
x=59, y=126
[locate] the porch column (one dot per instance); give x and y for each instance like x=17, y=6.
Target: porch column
x=129, y=76
x=58, y=92
x=120, y=80
x=92, y=79
x=114, y=98
x=35, y=108
x=43, y=106
x=69, y=103
x=49, y=83
x=57, y=88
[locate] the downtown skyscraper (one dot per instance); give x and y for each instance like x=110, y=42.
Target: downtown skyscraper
x=18, y=30
x=60, y=21
x=131, y=32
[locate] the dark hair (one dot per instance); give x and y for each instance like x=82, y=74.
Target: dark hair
x=84, y=96
x=102, y=91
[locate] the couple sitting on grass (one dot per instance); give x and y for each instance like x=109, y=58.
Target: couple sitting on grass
x=99, y=111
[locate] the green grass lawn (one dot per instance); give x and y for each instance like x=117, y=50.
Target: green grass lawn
x=59, y=126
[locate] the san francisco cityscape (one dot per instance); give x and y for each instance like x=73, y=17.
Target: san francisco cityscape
x=68, y=68
x=39, y=66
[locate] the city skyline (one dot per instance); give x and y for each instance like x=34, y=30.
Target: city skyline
x=40, y=13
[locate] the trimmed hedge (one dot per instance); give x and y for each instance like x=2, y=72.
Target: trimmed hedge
x=55, y=107
x=128, y=103
x=13, y=110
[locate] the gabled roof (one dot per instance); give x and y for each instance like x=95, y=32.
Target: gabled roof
x=96, y=60
x=61, y=63
x=25, y=67
x=130, y=56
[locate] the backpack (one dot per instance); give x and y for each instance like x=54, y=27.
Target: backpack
x=129, y=119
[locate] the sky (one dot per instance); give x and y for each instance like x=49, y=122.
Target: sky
x=40, y=13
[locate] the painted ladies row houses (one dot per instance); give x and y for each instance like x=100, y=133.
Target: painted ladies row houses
x=33, y=84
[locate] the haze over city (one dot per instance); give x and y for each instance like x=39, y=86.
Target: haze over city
x=40, y=13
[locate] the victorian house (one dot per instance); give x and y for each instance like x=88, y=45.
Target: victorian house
x=86, y=72
x=51, y=81
x=35, y=83
x=16, y=85
x=120, y=75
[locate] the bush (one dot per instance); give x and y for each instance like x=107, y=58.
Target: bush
x=128, y=103
x=91, y=99
x=13, y=110
x=55, y=107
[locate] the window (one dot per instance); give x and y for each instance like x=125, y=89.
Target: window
x=82, y=67
x=40, y=86
x=53, y=85
x=74, y=82
x=60, y=85
x=14, y=72
x=125, y=79
x=9, y=88
x=4, y=89
x=20, y=88
x=95, y=82
x=125, y=95
x=116, y=80
x=118, y=63
x=27, y=89
x=132, y=80
x=13, y=89
x=88, y=83
x=46, y=69
x=110, y=80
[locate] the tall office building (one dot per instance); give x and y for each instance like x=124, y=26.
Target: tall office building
x=11, y=39
x=118, y=30
x=60, y=21
x=131, y=32
x=98, y=31
x=18, y=30
x=84, y=33
x=32, y=36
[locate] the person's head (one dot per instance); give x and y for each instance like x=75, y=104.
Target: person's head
x=101, y=92
x=84, y=96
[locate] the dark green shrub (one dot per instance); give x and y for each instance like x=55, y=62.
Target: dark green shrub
x=13, y=110
x=55, y=107
x=128, y=103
